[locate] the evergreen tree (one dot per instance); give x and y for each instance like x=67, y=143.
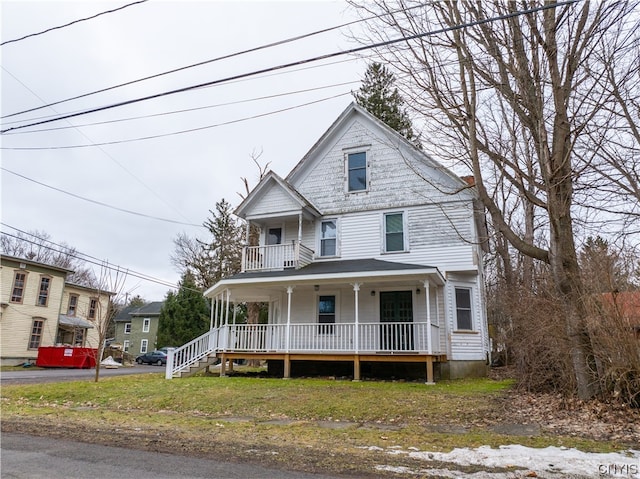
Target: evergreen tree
x=380, y=97
x=225, y=249
x=184, y=315
x=216, y=257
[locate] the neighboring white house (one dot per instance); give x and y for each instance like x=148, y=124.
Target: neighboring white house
x=370, y=252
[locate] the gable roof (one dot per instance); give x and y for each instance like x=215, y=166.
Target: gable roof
x=149, y=309
x=347, y=117
x=272, y=181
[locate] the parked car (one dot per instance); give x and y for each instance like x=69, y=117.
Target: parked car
x=154, y=357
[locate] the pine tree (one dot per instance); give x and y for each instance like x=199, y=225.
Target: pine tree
x=225, y=249
x=184, y=315
x=380, y=97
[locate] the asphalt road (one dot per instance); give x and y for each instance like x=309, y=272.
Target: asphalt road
x=36, y=375
x=31, y=457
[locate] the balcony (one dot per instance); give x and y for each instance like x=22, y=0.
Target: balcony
x=276, y=257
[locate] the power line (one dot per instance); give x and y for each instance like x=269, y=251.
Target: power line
x=71, y=23
x=180, y=132
x=301, y=62
x=151, y=190
x=98, y=202
x=83, y=257
x=186, y=110
x=223, y=57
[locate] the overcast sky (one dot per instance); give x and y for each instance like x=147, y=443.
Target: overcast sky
x=178, y=177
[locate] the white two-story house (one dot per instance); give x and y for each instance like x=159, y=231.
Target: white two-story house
x=370, y=252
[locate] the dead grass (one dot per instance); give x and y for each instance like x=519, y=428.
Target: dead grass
x=305, y=424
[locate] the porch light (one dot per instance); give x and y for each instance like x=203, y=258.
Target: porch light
x=316, y=287
x=373, y=293
x=417, y=290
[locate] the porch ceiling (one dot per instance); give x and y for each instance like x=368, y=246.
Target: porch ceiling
x=365, y=271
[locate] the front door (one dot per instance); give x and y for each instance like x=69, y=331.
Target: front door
x=396, y=310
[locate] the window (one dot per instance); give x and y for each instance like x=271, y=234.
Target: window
x=127, y=328
x=357, y=171
x=125, y=345
x=143, y=346
x=326, y=314
x=17, y=291
x=274, y=236
x=36, y=333
x=393, y=232
x=43, y=294
x=145, y=325
x=73, y=305
x=78, y=336
x=463, y=309
x=93, y=307
x=328, y=235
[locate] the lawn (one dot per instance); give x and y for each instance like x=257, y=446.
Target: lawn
x=310, y=424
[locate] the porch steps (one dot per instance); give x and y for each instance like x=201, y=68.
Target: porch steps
x=196, y=367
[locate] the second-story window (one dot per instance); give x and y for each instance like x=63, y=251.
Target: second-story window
x=17, y=292
x=394, y=232
x=357, y=171
x=127, y=328
x=93, y=307
x=73, y=305
x=43, y=293
x=145, y=325
x=328, y=238
x=274, y=236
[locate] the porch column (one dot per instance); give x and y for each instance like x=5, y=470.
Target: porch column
x=288, y=331
x=356, y=332
x=427, y=297
x=212, y=315
x=226, y=309
x=300, y=227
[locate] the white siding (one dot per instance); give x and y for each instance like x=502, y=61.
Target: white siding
x=393, y=181
x=466, y=345
x=274, y=200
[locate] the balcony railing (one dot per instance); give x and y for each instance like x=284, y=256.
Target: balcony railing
x=276, y=257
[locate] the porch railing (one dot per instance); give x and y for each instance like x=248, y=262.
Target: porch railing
x=308, y=338
x=276, y=257
x=372, y=337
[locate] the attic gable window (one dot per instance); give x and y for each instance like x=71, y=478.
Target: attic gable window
x=357, y=171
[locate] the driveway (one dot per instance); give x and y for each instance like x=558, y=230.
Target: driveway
x=37, y=375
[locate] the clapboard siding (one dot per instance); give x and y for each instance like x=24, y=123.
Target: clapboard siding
x=393, y=181
x=437, y=237
x=274, y=201
x=17, y=318
x=466, y=345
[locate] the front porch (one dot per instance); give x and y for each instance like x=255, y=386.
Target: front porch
x=360, y=310
x=411, y=342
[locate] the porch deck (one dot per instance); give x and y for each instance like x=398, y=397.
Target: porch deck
x=375, y=342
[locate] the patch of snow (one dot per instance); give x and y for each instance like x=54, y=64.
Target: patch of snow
x=552, y=461
x=110, y=363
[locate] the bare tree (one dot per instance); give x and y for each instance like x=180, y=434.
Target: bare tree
x=38, y=246
x=110, y=290
x=511, y=96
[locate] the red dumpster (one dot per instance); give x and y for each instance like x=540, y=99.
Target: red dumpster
x=66, y=357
